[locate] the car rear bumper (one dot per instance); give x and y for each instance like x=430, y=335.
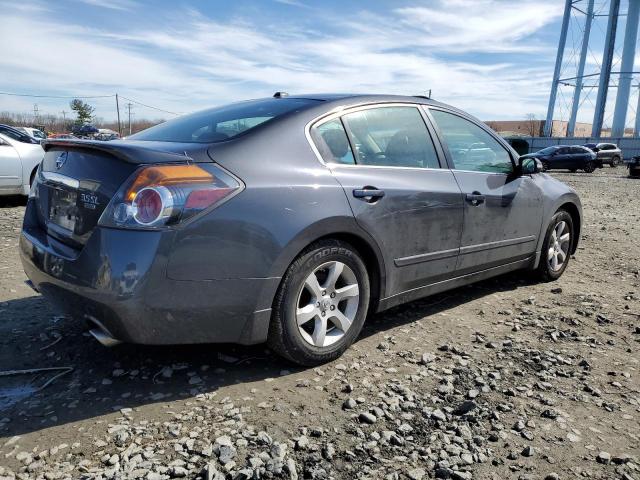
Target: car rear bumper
x=118, y=281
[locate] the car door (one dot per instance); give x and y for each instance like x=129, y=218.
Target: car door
x=10, y=165
x=502, y=210
x=575, y=158
x=389, y=166
x=562, y=158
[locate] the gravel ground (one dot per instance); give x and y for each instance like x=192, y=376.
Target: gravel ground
x=506, y=379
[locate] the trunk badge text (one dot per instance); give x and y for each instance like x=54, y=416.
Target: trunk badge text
x=61, y=160
x=89, y=201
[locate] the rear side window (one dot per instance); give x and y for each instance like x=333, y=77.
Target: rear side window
x=392, y=137
x=332, y=142
x=222, y=123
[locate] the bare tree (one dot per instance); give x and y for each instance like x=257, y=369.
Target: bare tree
x=492, y=125
x=532, y=124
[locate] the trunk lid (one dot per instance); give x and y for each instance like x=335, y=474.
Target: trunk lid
x=78, y=179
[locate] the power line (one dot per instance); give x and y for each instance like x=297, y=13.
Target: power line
x=88, y=96
x=54, y=96
x=149, y=106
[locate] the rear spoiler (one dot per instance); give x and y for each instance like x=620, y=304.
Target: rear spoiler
x=131, y=152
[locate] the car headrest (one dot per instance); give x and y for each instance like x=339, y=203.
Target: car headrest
x=406, y=148
x=337, y=142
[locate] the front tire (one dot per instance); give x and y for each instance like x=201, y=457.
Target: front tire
x=589, y=167
x=321, y=304
x=557, y=247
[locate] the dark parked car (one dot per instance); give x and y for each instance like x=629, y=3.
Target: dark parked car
x=84, y=130
x=606, y=153
x=634, y=166
x=567, y=157
x=286, y=220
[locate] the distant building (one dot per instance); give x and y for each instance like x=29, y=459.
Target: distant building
x=535, y=128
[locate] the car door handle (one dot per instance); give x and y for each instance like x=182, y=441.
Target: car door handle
x=368, y=194
x=475, y=198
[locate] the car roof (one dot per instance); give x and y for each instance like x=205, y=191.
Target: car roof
x=356, y=98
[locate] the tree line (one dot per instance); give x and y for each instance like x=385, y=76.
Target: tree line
x=84, y=114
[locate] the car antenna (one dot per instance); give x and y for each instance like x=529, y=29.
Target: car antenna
x=280, y=95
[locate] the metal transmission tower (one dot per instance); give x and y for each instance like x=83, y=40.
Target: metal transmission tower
x=584, y=12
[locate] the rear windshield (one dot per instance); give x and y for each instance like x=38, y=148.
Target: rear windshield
x=222, y=123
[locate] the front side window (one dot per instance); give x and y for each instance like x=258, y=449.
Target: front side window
x=332, y=142
x=391, y=137
x=471, y=147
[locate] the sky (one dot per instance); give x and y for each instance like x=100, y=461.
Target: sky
x=493, y=58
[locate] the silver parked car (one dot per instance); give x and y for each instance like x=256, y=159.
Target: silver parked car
x=606, y=153
x=286, y=220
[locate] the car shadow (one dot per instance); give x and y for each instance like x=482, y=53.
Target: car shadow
x=105, y=380
x=11, y=201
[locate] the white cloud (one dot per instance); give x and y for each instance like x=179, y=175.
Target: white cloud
x=197, y=62
x=481, y=25
x=292, y=3
x=124, y=5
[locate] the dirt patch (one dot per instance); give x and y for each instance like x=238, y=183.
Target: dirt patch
x=504, y=379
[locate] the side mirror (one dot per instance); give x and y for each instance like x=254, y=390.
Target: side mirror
x=529, y=165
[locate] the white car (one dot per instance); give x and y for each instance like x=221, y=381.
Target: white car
x=33, y=132
x=18, y=164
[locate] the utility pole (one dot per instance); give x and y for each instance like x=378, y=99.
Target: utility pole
x=64, y=119
x=118, y=110
x=548, y=124
x=626, y=70
x=129, y=105
x=583, y=58
x=35, y=113
x=605, y=72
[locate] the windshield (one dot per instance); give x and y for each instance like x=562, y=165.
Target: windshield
x=222, y=123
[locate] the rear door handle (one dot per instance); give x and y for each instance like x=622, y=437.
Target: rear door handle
x=475, y=198
x=368, y=194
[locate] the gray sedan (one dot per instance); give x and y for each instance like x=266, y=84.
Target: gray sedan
x=286, y=220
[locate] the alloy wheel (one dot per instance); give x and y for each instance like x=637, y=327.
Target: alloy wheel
x=327, y=304
x=559, y=245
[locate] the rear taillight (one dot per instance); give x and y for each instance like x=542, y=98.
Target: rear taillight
x=164, y=195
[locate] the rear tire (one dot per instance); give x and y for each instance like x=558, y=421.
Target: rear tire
x=316, y=315
x=614, y=162
x=557, y=247
x=546, y=166
x=589, y=167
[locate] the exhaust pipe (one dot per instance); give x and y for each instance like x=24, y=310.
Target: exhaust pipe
x=104, y=338
x=102, y=334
